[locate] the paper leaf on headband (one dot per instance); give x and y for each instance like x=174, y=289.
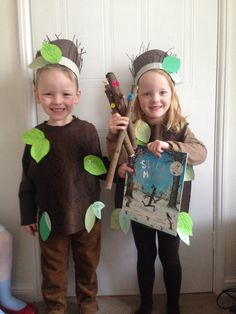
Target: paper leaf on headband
x=45, y=226
x=40, y=144
x=97, y=207
x=114, y=222
x=37, y=63
x=51, y=53
x=142, y=131
x=124, y=221
x=94, y=165
x=171, y=64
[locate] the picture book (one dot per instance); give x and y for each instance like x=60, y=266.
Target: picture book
x=152, y=195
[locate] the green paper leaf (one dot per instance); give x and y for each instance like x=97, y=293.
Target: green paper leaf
x=32, y=136
x=140, y=143
x=38, y=63
x=124, y=221
x=96, y=208
x=142, y=131
x=89, y=219
x=45, y=226
x=185, y=224
x=51, y=53
x=94, y=165
x=171, y=64
x=40, y=149
x=184, y=237
x=189, y=173
x=114, y=222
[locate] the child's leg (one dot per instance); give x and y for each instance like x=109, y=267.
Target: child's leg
x=145, y=241
x=169, y=256
x=86, y=252
x=6, y=298
x=54, y=265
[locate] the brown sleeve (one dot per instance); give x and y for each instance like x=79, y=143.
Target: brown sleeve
x=196, y=150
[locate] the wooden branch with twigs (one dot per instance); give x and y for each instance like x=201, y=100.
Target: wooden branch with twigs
x=127, y=138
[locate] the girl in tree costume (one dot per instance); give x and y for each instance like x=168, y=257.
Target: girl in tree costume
x=157, y=104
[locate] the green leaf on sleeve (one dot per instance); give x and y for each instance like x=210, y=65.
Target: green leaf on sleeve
x=32, y=136
x=142, y=131
x=40, y=149
x=40, y=145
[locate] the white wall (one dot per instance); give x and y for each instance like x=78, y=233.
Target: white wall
x=230, y=150
x=13, y=122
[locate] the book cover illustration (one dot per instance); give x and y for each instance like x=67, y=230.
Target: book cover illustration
x=152, y=195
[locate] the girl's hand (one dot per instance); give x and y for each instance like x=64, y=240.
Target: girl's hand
x=31, y=229
x=117, y=123
x=123, y=168
x=157, y=147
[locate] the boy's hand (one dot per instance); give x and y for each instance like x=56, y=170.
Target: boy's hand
x=117, y=123
x=31, y=229
x=157, y=147
x=123, y=168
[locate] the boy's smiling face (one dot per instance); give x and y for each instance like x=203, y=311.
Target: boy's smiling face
x=57, y=93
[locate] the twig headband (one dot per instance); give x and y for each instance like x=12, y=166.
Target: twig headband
x=155, y=59
x=60, y=51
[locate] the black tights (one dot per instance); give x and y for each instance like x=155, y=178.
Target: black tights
x=168, y=247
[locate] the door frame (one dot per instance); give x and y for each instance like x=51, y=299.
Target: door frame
x=26, y=55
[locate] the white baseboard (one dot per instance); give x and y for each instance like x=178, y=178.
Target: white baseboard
x=26, y=292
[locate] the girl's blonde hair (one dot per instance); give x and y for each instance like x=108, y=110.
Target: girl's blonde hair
x=60, y=67
x=174, y=120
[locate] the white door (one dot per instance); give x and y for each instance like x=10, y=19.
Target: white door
x=109, y=30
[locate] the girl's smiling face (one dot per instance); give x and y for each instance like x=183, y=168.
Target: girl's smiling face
x=57, y=93
x=154, y=94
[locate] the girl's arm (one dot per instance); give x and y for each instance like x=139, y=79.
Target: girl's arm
x=196, y=150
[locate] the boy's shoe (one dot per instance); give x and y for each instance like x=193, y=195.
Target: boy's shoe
x=28, y=309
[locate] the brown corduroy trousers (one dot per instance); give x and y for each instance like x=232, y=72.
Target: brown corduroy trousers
x=55, y=251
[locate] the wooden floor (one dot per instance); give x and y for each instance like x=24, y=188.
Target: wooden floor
x=204, y=303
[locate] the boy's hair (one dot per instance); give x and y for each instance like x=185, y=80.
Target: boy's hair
x=60, y=67
x=174, y=120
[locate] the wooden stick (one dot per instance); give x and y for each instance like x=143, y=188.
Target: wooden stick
x=116, y=97
x=119, y=143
